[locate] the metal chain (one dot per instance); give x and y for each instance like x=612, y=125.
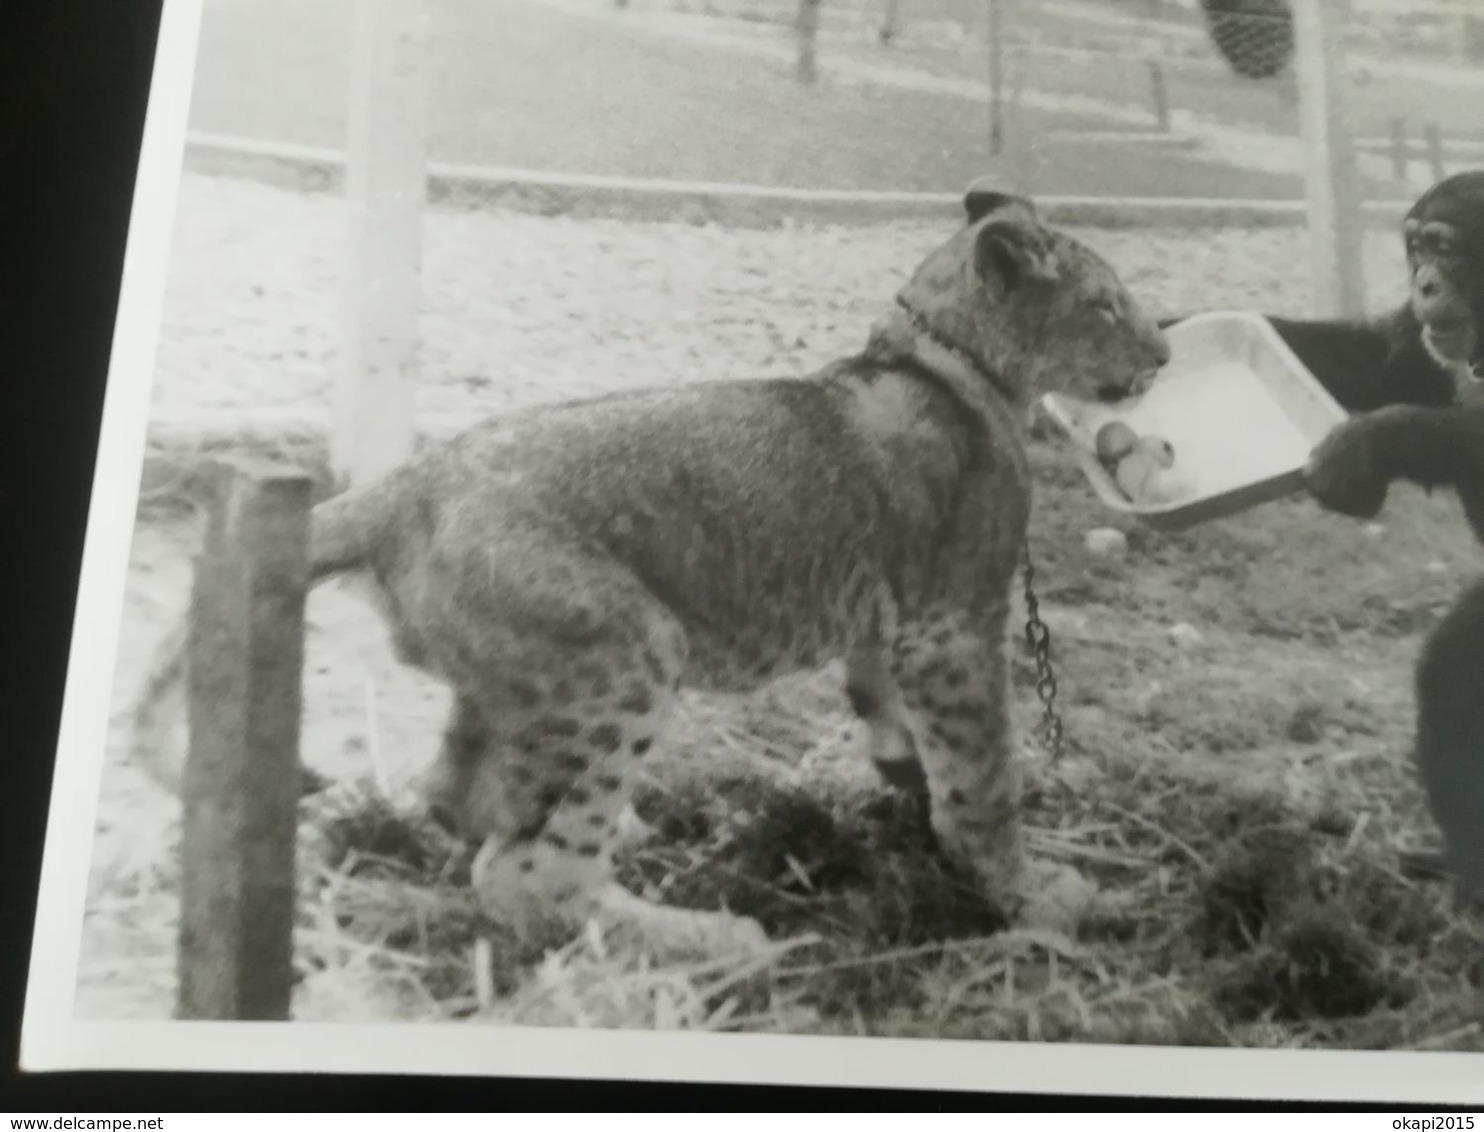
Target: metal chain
x=1038, y=636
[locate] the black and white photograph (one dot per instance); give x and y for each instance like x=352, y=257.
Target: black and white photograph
x=904, y=543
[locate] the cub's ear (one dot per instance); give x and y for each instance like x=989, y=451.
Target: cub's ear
x=985, y=196
x=1010, y=253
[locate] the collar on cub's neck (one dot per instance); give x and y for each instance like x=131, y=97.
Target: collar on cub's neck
x=969, y=378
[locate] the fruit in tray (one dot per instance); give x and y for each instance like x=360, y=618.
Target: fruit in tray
x=1141, y=466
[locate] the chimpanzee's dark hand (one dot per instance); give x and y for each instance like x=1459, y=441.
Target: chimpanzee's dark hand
x=1352, y=468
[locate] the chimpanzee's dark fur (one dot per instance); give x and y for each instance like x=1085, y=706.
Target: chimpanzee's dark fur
x=1421, y=419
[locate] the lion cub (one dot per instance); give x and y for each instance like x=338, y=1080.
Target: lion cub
x=568, y=568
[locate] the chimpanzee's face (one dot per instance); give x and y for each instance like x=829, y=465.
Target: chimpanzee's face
x=1445, y=252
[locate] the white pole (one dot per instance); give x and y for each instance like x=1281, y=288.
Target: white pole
x=996, y=41
x=1020, y=147
x=386, y=190
x=1331, y=178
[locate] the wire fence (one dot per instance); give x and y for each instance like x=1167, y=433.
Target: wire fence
x=1096, y=86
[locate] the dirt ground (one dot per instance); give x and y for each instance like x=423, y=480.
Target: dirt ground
x=1237, y=698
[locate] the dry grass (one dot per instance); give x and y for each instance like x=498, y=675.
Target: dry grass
x=1230, y=917
x=1241, y=825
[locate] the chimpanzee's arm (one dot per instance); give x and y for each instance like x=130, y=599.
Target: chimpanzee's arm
x=1351, y=468
x=1349, y=359
x=1365, y=365
x=1436, y=448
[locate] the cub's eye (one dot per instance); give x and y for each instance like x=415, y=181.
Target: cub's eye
x=1105, y=308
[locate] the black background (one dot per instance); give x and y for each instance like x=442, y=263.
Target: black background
x=75, y=86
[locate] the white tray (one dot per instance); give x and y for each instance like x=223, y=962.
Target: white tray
x=1240, y=409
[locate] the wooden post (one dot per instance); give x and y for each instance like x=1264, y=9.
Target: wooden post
x=996, y=37
x=241, y=783
x=1018, y=146
x=1435, y=151
x=1471, y=38
x=891, y=21
x=1401, y=160
x=807, y=27
x=1331, y=179
x=1158, y=96
x=386, y=189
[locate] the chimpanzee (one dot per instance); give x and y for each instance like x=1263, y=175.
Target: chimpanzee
x=1419, y=370
x=1350, y=472
x=1427, y=351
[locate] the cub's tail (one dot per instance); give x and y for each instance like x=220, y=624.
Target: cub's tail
x=342, y=532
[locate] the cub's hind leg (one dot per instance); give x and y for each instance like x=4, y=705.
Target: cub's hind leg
x=541, y=766
x=468, y=739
